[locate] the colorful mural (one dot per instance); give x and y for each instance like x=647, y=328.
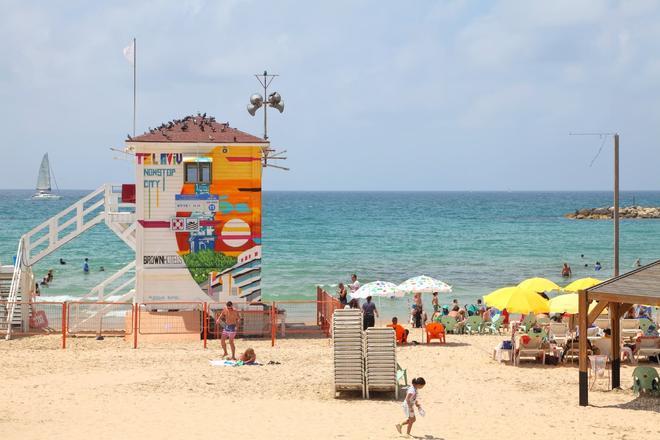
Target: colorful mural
x=216, y=224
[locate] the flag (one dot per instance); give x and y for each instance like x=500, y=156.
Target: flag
x=129, y=52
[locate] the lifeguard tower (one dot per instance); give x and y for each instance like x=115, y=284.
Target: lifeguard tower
x=193, y=218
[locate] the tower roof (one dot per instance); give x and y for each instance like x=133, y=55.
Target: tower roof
x=196, y=129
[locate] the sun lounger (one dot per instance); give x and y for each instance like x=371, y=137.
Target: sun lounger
x=559, y=332
x=380, y=360
x=435, y=330
x=646, y=380
x=602, y=323
x=533, y=348
x=629, y=328
x=648, y=346
x=348, y=350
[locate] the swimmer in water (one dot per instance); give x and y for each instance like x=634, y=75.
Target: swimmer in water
x=597, y=266
x=566, y=271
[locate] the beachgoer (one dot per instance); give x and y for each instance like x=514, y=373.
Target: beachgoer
x=369, y=310
x=86, y=266
x=581, y=255
x=566, y=271
x=354, y=303
x=410, y=403
x=229, y=317
x=44, y=281
x=49, y=275
x=630, y=314
x=638, y=263
x=434, y=302
x=249, y=357
x=485, y=315
x=62, y=261
x=101, y=269
x=355, y=284
x=400, y=331
x=454, y=312
x=597, y=266
x=480, y=306
x=341, y=290
x=437, y=316
x=36, y=289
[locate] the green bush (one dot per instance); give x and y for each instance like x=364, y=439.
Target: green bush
x=201, y=263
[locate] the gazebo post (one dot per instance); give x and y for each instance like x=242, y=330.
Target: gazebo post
x=615, y=324
x=583, y=317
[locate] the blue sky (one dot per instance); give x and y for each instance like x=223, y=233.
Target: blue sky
x=445, y=95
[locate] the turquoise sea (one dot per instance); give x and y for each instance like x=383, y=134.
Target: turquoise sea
x=475, y=241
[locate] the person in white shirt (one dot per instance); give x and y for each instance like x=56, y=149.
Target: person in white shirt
x=355, y=284
x=410, y=403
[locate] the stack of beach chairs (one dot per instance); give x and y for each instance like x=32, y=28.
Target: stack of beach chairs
x=380, y=360
x=348, y=350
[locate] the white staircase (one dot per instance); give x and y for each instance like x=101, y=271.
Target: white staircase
x=102, y=205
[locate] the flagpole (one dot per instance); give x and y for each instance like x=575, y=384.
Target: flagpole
x=134, y=81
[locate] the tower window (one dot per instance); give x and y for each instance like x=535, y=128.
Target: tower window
x=197, y=172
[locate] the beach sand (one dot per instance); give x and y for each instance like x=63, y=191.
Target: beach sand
x=106, y=390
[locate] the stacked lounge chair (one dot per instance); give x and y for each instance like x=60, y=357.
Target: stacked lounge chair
x=380, y=354
x=348, y=346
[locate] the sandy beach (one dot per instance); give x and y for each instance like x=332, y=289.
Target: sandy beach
x=106, y=390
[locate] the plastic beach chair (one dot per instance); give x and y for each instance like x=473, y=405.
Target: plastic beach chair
x=646, y=380
x=449, y=323
x=495, y=326
x=648, y=346
x=528, y=322
x=401, y=374
x=474, y=324
x=435, y=330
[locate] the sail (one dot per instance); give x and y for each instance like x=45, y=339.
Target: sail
x=43, y=181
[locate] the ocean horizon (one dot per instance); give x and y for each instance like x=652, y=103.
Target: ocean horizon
x=476, y=241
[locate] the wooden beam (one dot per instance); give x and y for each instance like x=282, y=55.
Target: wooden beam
x=583, y=316
x=615, y=323
x=595, y=313
x=633, y=299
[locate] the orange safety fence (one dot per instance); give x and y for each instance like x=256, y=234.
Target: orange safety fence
x=170, y=318
x=303, y=317
x=254, y=319
x=97, y=318
x=327, y=304
x=33, y=318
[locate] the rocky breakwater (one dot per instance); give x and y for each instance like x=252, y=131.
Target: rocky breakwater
x=607, y=212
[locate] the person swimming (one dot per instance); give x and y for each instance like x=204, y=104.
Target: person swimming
x=566, y=271
x=62, y=261
x=597, y=266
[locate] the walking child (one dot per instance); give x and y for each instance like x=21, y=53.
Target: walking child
x=410, y=403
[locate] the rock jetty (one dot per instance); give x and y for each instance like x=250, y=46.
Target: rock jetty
x=606, y=213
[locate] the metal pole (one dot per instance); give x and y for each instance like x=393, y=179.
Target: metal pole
x=265, y=107
x=134, y=80
x=616, y=204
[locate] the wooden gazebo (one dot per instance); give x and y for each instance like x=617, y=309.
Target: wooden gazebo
x=640, y=286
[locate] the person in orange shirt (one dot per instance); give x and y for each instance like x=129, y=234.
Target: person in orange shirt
x=401, y=333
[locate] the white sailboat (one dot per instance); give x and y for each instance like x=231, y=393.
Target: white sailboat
x=43, y=182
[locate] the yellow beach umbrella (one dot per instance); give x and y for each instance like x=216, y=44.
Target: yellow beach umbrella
x=517, y=300
x=581, y=284
x=567, y=303
x=539, y=285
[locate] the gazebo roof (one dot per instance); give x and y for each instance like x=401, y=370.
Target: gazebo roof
x=639, y=286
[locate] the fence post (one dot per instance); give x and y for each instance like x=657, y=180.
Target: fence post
x=136, y=318
x=205, y=321
x=273, y=324
x=64, y=326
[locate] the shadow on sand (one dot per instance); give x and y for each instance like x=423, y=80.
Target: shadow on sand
x=640, y=403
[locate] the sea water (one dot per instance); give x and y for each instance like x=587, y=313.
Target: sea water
x=475, y=241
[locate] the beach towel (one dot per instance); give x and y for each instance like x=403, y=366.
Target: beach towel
x=227, y=363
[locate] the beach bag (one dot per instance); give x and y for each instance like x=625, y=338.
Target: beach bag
x=551, y=360
x=507, y=345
